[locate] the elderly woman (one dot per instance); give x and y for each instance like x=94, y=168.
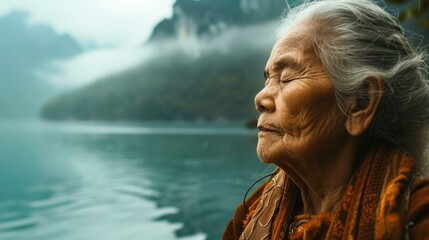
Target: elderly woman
x=344, y=115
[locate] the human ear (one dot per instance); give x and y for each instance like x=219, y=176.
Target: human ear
x=363, y=108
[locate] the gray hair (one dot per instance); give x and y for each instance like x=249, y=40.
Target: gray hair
x=357, y=40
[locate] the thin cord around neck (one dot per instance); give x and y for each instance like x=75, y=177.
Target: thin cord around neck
x=248, y=190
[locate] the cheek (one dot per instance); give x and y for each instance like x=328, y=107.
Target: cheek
x=316, y=131
x=294, y=111
x=304, y=106
x=325, y=130
x=310, y=122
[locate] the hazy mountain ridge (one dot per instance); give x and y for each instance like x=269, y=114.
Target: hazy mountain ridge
x=25, y=47
x=32, y=44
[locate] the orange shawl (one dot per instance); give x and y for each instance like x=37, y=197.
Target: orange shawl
x=374, y=206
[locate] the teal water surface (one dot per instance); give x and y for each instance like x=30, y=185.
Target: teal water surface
x=88, y=181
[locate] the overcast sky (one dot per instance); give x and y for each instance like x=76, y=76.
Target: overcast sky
x=111, y=31
x=100, y=22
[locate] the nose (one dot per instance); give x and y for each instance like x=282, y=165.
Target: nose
x=264, y=101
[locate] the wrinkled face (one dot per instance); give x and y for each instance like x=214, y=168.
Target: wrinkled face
x=299, y=122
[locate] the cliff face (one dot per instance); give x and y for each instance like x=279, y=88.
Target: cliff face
x=193, y=19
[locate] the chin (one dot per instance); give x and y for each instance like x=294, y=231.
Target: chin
x=264, y=155
x=260, y=153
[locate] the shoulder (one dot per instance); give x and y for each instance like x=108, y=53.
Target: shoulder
x=241, y=216
x=236, y=225
x=418, y=213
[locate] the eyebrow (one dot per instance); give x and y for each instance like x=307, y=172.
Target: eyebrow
x=284, y=61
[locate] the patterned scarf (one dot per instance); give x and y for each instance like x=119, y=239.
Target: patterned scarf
x=374, y=205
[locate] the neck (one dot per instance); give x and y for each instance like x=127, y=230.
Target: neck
x=323, y=185
x=326, y=201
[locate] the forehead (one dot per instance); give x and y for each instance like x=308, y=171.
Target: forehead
x=295, y=46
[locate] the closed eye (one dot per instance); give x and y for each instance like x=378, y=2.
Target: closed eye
x=287, y=80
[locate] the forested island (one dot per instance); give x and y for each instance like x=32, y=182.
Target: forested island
x=174, y=86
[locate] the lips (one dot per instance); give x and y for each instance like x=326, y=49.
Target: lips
x=268, y=128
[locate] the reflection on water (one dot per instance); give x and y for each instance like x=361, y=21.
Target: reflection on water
x=122, y=181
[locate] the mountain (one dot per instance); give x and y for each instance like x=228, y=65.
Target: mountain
x=208, y=64
x=219, y=83
x=203, y=68
x=24, y=48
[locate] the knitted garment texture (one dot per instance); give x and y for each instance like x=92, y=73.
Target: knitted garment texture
x=374, y=205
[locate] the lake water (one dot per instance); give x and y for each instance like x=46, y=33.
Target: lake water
x=90, y=181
